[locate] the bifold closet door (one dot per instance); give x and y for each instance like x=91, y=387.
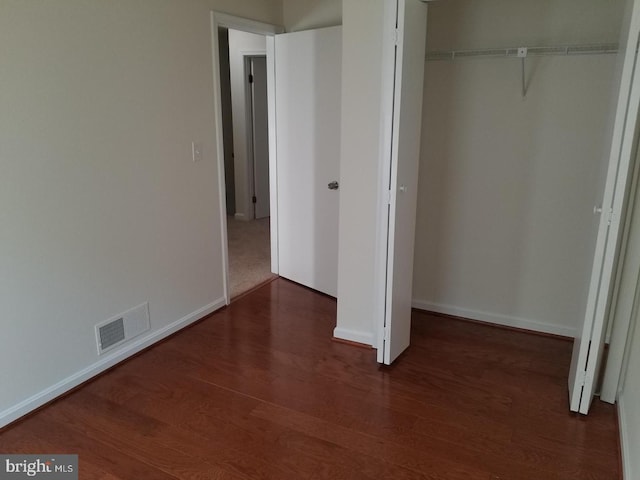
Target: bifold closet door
x=588, y=346
x=307, y=87
x=403, y=174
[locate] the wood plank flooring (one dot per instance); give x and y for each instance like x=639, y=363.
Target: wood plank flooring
x=259, y=391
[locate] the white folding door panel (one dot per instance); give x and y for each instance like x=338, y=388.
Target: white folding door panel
x=403, y=173
x=260, y=134
x=589, y=344
x=308, y=86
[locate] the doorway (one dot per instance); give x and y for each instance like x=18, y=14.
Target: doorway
x=248, y=235
x=248, y=227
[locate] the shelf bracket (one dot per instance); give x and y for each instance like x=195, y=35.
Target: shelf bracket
x=522, y=55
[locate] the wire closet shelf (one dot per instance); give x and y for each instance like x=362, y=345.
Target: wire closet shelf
x=519, y=52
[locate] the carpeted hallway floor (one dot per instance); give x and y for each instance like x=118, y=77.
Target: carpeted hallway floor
x=249, y=254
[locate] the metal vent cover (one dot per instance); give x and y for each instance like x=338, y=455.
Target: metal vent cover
x=111, y=333
x=122, y=328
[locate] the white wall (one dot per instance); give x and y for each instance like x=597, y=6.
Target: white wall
x=459, y=24
x=241, y=44
x=308, y=14
x=629, y=409
x=101, y=206
x=359, y=154
x=505, y=228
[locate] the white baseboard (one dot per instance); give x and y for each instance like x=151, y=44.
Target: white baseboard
x=495, y=318
x=140, y=343
x=624, y=441
x=365, y=338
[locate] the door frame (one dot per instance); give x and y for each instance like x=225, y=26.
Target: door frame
x=250, y=129
x=219, y=19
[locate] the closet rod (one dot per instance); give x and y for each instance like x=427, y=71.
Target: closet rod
x=589, y=49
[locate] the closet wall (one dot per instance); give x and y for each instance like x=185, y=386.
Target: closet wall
x=505, y=228
x=362, y=42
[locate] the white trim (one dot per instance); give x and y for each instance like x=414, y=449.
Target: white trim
x=244, y=24
x=495, y=318
x=365, y=338
x=273, y=152
x=13, y=413
x=254, y=53
x=251, y=26
x=624, y=442
x=222, y=188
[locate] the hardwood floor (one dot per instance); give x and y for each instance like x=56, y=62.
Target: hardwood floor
x=259, y=391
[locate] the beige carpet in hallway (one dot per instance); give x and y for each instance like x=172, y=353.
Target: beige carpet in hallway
x=249, y=254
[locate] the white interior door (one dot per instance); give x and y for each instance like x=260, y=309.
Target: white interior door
x=307, y=88
x=589, y=344
x=260, y=136
x=403, y=173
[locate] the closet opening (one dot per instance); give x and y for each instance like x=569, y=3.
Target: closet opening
x=518, y=122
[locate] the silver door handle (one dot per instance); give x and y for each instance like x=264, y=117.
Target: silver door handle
x=333, y=185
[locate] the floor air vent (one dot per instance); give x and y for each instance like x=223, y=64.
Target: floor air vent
x=111, y=333
x=122, y=328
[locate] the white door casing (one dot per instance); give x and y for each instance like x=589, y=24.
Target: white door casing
x=307, y=92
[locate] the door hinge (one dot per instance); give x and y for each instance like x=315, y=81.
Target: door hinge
x=396, y=36
x=389, y=197
x=385, y=334
x=250, y=78
x=610, y=216
x=254, y=199
x=582, y=378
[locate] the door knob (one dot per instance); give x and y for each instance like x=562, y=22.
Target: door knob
x=333, y=185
